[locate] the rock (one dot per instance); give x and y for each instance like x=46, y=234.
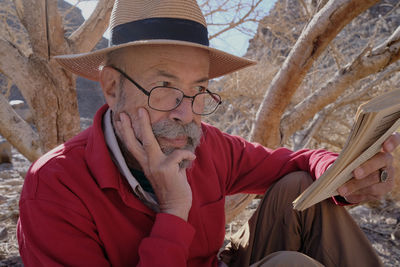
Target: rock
x=3, y=233
x=16, y=104
x=396, y=235
x=5, y=152
x=14, y=261
x=360, y=212
x=391, y=220
x=22, y=109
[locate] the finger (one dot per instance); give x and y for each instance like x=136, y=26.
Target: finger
x=373, y=192
x=129, y=138
x=354, y=185
x=380, y=160
x=368, y=185
x=149, y=141
x=392, y=142
x=181, y=154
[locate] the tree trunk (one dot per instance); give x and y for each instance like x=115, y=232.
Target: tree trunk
x=48, y=89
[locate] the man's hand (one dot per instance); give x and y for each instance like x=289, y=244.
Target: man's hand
x=169, y=181
x=365, y=184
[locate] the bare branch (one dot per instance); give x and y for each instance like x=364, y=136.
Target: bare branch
x=18, y=132
x=303, y=138
x=305, y=8
x=324, y=26
x=365, y=64
x=90, y=32
x=218, y=9
x=27, y=74
x=57, y=42
x=72, y=8
x=33, y=16
x=336, y=56
x=13, y=62
x=243, y=19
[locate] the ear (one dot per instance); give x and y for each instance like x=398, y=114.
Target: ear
x=109, y=81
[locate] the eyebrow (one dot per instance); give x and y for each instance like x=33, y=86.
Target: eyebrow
x=171, y=76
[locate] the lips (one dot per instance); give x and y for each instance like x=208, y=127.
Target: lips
x=178, y=142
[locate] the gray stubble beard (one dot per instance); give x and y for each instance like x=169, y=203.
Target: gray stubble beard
x=170, y=129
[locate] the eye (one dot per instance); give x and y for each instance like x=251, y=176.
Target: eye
x=201, y=89
x=165, y=84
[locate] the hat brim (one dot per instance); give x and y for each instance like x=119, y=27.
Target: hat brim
x=88, y=65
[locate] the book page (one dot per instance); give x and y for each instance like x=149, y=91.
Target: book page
x=375, y=119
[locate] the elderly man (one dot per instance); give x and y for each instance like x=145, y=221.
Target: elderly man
x=146, y=184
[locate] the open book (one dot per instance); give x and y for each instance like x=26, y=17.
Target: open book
x=375, y=121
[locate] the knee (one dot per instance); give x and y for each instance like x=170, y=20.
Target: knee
x=293, y=183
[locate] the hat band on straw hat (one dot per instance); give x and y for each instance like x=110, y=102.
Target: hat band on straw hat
x=160, y=28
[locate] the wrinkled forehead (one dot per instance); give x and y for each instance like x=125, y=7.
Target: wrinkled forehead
x=132, y=57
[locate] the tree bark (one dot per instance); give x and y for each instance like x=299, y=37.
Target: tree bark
x=19, y=133
x=33, y=15
x=90, y=32
x=48, y=89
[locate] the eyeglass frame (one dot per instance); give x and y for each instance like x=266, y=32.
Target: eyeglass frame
x=147, y=93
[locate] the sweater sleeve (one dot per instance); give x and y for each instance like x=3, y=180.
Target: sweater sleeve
x=57, y=229
x=252, y=168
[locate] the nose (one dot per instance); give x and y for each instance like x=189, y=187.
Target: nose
x=183, y=113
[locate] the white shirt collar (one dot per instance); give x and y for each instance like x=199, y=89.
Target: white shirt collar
x=113, y=146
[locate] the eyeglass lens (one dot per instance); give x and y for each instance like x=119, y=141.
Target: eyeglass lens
x=167, y=98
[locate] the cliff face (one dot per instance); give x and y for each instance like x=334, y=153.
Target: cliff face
x=278, y=31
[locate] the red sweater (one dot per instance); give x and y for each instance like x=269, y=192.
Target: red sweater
x=77, y=210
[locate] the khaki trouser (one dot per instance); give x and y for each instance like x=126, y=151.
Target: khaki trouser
x=274, y=235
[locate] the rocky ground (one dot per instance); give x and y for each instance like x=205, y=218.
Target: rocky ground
x=381, y=223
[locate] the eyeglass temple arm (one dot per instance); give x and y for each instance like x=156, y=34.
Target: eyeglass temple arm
x=132, y=81
x=213, y=96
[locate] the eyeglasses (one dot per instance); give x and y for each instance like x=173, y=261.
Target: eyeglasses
x=165, y=98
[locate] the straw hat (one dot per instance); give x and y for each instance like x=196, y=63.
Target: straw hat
x=154, y=22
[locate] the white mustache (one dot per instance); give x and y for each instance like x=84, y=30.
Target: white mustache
x=170, y=129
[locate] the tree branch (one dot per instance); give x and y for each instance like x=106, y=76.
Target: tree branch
x=13, y=63
x=32, y=14
x=242, y=20
x=365, y=64
x=302, y=139
x=57, y=41
x=18, y=132
x=85, y=38
x=324, y=26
